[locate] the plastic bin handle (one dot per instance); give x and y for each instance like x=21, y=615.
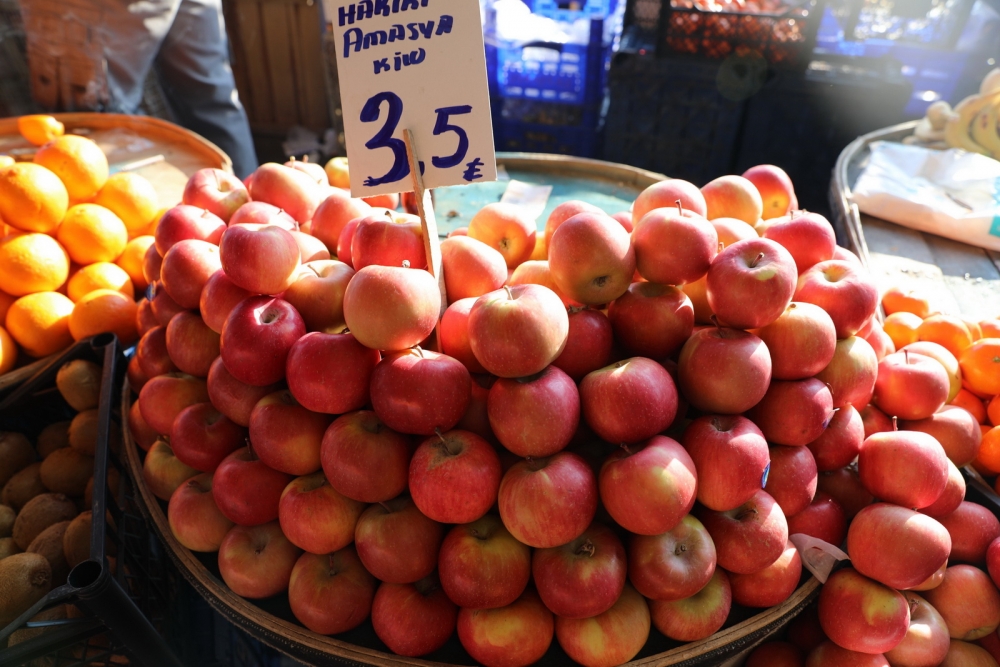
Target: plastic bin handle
x=555, y=46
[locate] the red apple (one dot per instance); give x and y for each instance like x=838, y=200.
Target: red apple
x=215, y=190
x=731, y=457
x=413, y=619
x=770, y=586
x=792, y=478
x=262, y=213
x=246, y=490
x=910, y=386
x=548, y=502
x=862, y=615
x=453, y=334
x=845, y=487
x=940, y=354
x=535, y=416
x=824, y=519
x=396, y=542
x=256, y=562
x=202, y=437
x=330, y=373
x=364, y=459
x=776, y=190
x=991, y=643
x=471, y=268
x=482, y=566
x=285, y=435
x=163, y=472
x=776, y=654
x=804, y=630
x=733, y=197
x=192, y=346
x=518, y=331
x=802, y=341
x=311, y=249
x=420, y=392
x=218, y=298
x=331, y=593
x=908, y=468
x=565, y=211
x=926, y=641
x=829, y=654
x=163, y=397
x=151, y=353
x=315, y=517
x=379, y=240
x=454, y=477
x=317, y=292
x=840, y=443
x=513, y=636
x=972, y=528
x=391, y=307
x=750, y=283
x=505, y=228
x=151, y=263
x=233, y=398
x=161, y=304
x=807, y=236
x=629, y=401
x=673, y=565
x=993, y=560
x=538, y=272
x=794, y=412
x=968, y=602
x=584, y=577
x=731, y=230
x=955, y=428
x=724, y=370
x=896, y=546
x=697, y=616
x=195, y=520
x=665, y=194
x=588, y=343
x=951, y=497
x=611, y=638
x=145, y=319
x=652, y=320
x=964, y=654
x=749, y=538
x=184, y=222
x=333, y=214
x=875, y=420
x=843, y=290
x=673, y=247
x=262, y=259
x=186, y=268
x=289, y=189
x=313, y=170
x=257, y=337
x=345, y=240
x=851, y=373
x=476, y=418
x=142, y=433
x=591, y=258
x=649, y=487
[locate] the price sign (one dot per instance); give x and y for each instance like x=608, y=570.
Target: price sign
x=417, y=65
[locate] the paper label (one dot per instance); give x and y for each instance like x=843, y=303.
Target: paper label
x=531, y=198
x=417, y=65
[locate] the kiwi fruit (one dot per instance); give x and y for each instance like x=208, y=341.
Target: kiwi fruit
x=7, y=516
x=23, y=486
x=57, y=613
x=8, y=547
x=67, y=471
x=79, y=382
x=76, y=539
x=49, y=543
x=83, y=432
x=114, y=478
x=16, y=453
x=40, y=513
x=24, y=579
x=53, y=437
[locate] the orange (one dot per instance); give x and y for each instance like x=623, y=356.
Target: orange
x=91, y=233
x=104, y=310
x=151, y=229
x=132, y=198
x=897, y=300
x=32, y=198
x=40, y=323
x=6, y=161
x=989, y=451
x=5, y=301
x=78, y=162
x=32, y=263
x=974, y=329
x=133, y=258
x=966, y=399
x=990, y=328
x=40, y=129
x=102, y=275
x=902, y=328
x=947, y=331
x=980, y=364
x=993, y=410
x=8, y=352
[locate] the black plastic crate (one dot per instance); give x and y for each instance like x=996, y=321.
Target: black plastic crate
x=121, y=606
x=668, y=115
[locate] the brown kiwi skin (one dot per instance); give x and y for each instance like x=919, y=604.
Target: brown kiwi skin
x=67, y=471
x=54, y=436
x=56, y=613
x=40, y=513
x=83, y=432
x=23, y=486
x=79, y=382
x=16, y=453
x=24, y=579
x=7, y=517
x=8, y=547
x=49, y=543
x=76, y=539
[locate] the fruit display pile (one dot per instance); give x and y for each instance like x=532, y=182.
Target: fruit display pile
x=45, y=516
x=972, y=125
x=616, y=425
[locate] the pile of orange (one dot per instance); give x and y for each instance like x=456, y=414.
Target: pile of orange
x=72, y=240
x=975, y=350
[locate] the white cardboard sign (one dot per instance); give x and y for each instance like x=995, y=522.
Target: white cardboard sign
x=416, y=64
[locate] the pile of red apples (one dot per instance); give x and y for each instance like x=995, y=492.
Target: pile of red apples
x=616, y=424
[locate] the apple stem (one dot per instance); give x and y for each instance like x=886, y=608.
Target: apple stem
x=718, y=327
x=385, y=507
x=406, y=263
x=586, y=549
x=444, y=441
x=305, y=158
x=510, y=295
x=680, y=208
x=756, y=260
x=419, y=350
x=906, y=355
x=330, y=559
x=895, y=423
x=624, y=446
x=722, y=246
x=747, y=512
x=253, y=455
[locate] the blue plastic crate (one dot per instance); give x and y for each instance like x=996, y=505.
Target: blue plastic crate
x=570, y=10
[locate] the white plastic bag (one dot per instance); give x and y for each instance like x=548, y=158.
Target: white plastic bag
x=950, y=193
